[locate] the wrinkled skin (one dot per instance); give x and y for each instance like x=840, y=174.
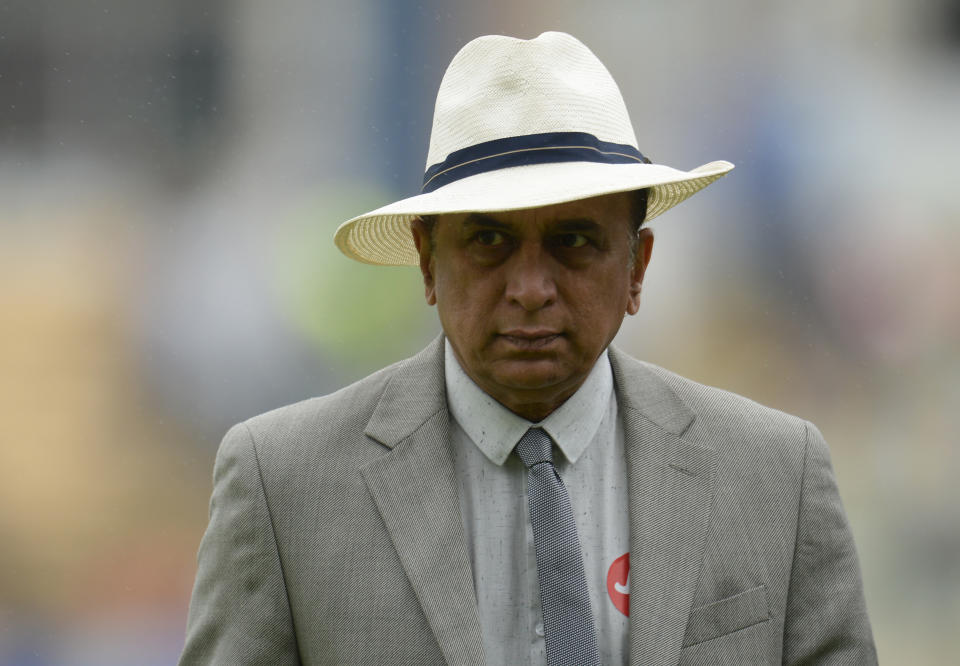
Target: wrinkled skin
x=529, y=299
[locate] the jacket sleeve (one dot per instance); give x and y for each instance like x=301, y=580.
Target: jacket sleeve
x=239, y=612
x=826, y=618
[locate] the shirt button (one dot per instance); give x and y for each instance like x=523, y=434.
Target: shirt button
x=539, y=629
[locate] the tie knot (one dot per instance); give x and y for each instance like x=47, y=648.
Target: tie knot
x=535, y=447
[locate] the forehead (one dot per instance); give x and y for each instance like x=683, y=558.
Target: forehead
x=606, y=211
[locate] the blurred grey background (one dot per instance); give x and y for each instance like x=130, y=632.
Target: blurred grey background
x=171, y=175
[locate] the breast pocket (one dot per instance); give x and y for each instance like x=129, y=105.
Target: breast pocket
x=727, y=616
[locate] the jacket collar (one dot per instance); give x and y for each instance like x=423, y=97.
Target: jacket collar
x=642, y=387
x=417, y=391
x=414, y=394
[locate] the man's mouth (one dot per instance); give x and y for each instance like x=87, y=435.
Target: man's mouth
x=530, y=339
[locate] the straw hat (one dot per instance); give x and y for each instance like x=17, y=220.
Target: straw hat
x=521, y=124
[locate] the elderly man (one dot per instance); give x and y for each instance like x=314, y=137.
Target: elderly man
x=521, y=492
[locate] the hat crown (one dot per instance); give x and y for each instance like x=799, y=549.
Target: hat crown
x=499, y=87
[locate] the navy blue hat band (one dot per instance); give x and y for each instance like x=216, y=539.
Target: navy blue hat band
x=526, y=150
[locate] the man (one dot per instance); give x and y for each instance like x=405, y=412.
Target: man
x=520, y=492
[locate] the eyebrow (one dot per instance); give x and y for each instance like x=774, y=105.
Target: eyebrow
x=480, y=220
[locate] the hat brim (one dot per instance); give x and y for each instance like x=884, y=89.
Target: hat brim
x=383, y=236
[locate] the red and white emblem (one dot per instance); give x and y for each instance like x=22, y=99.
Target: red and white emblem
x=618, y=583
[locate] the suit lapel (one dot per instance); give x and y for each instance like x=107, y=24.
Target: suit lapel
x=415, y=489
x=670, y=484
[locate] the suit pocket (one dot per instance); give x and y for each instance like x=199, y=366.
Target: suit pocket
x=727, y=615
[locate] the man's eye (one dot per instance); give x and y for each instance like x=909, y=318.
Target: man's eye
x=573, y=240
x=490, y=238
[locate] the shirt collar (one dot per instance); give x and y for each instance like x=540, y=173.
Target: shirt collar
x=496, y=430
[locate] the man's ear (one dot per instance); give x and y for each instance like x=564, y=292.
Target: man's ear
x=422, y=240
x=640, y=263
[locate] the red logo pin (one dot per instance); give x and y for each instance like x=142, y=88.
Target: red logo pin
x=618, y=583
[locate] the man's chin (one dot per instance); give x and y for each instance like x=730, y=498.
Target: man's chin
x=530, y=374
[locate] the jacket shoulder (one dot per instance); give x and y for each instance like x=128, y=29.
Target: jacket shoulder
x=725, y=409
x=738, y=428
x=347, y=406
x=323, y=434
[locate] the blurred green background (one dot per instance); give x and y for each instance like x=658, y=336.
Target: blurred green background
x=171, y=175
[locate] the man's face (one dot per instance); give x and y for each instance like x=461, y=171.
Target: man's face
x=529, y=299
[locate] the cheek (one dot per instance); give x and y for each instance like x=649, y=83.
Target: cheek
x=463, y=301
x=602, y=306
x=604, y=292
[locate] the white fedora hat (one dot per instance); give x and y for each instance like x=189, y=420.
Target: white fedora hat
x=521, y=124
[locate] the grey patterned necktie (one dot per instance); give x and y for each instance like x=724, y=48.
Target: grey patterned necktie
x=570, y=633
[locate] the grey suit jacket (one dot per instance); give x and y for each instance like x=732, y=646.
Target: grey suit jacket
x=335, y=535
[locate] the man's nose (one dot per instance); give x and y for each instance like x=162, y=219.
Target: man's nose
x=530, y=280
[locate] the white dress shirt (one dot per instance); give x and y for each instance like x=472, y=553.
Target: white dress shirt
x=493, y=502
